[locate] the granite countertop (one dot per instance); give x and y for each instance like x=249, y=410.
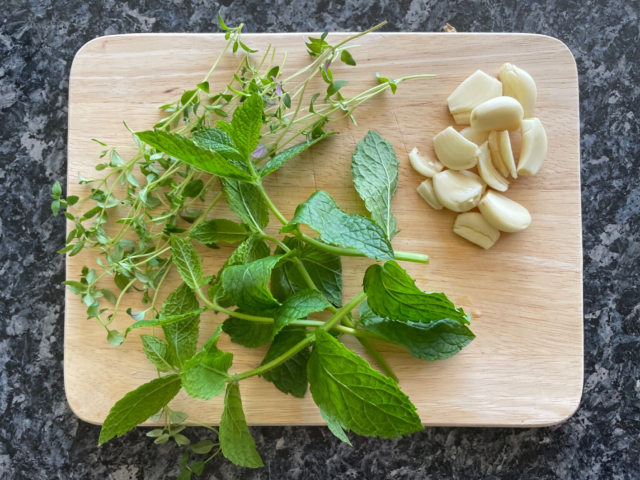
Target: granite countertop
x=40, y=438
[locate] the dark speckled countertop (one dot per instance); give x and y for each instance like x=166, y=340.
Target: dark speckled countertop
x=40, y=438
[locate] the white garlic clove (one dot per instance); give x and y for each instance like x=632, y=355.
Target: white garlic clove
x=425, y=189
x=475, y=176
x=502, y=154
x=457, y=191
x=476, y=89
x=424, y=166
x=500, y=113
x=455, y=151
x=476, y=136
x=503, y=213
x=472, y=226
x=488, y=172
x=534, y=147
x=518, y=84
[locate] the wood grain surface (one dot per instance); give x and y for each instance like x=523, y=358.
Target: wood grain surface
x=525, y=366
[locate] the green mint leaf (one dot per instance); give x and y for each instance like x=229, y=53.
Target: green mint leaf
x=204, y=86
x=193, y=188
x=247, y=286
x=299, y=305
x=115, y=338
x=393, y=294
x=291, y=376
x=138, y=405
x=337, y=227
x=219, y=141
x=205, y=374
x=156, y=351
x=276, y=162
x=221, y=23
x=55, y=207
x=247, y=49
x=56, y=190
x=246, y=333
x=188, y=262
x=355, y=396
x=236, y=441
x=202, y=447
x=346, y=58
x=286, y=99
x=335, y=87
x=252, y=249
x=246, y=124
x=392, y=83
x=181, y=336
x=374, y=167
x=219, y=230
x=335, y=428
x=428, y=341
x=247, y=203
x=186, y=150
x=163, y=321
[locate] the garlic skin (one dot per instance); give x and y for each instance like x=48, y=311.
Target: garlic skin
x=423, y=165
x=476, y=136
x=534, y=147
x=503, y=213
x=457, y=191
x=425, y=189
x=500, y=113
x=455, y=151
x=502, y=154
x=518, y=84
x=472, y=226
x=476, y=89
x=488, y=172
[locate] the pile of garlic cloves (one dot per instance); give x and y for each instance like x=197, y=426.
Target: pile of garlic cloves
x=491, y=108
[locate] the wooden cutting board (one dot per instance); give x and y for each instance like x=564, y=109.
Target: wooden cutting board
x=525, y=366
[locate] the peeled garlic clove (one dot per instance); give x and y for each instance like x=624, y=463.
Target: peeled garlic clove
x=534, y=147
x=488, y=172
x=475, y=176
x=455, y=151
x=518, y=84
x=500, y=113
x=502, y=154
x=472, y=226
x=423, y=165
x=476, y=89
x=457, y=191
x=476, y=136
x=425, y=189
x=503, y=213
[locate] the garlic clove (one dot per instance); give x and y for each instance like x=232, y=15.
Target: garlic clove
x=425, y=189
x=472, y=226
x=476, y=89
x=502, y=154
x=455, y=151
x=534, y=147
x=423, y=165
x=503, y=213
x=500, y=113
x=457, y=191
x=518, y=84
x=475, y=176
x=476, y=136
x=488, y=172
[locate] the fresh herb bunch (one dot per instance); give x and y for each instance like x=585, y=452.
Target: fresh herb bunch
x=186, y=155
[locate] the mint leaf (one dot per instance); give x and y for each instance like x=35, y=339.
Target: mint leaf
x=236, y=441
x=188, y=262
x=393, y=294
x=374, y=167
x=247, y=286
x=276, y=162
x=299, y=305
x=182, y=336
x=335, y=428
x=187, y=151
x=355, y=396
x=163, y=321
x=346, y=58
x=245, y=201
x=428, y=341
x=246, y=124
x=219, y=141
x=136, y=406
x=205, y=374
x=156, y=351
x=336, y=227
x=252, y=249
x=247, y=333
x=291, y=376
x=324, y=268
x=219, y=230
x=335, y=87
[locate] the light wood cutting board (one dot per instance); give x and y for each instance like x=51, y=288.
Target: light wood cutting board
x=525, y=294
